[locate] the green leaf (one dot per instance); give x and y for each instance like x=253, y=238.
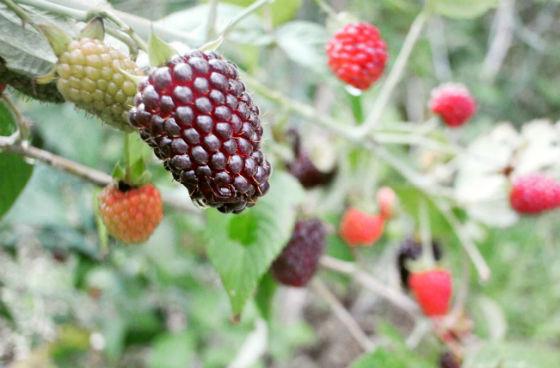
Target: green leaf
x=242, y=247
x=511, y=355
x=280, y=11
x=380, y=359
x=159, y=51
x=304, y=43
x=15, y=171
x=265, y=296
x=462, y=8
x=172, y=351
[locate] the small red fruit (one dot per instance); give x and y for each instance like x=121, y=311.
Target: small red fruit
x=361, y=229
x=432, y=289
x=534, y=193
x=386, y=200
x=131, y=214
x=2, y=88
x=453, y=103
x=357, y=54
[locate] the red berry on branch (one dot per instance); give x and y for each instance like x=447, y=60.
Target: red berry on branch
x=357, y=54
x=196, y=115
x=411, y=250
x=298, y=262
x=534, y=193
x=131, y=214
x=453, y=103
x=432, y=290
x=358, y=228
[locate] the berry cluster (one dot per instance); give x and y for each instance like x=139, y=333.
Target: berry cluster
x=92, y=76
x=298, y=262
x=357, y=54
x=196, y=115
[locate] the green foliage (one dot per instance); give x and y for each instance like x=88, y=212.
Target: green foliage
x=462, y=8
x=16, y=172
x=242, y=247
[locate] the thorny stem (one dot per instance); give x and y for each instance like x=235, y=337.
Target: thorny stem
x=396, y=72
x=343, y=315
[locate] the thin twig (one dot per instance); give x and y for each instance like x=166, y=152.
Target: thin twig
x=343, y=315
x=244, y=14
x=504, y=22
x=465, y=240
x=396, y=72
x=369, y=282
x=211, y=19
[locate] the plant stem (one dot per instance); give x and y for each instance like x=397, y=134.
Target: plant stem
x=369, y=282
x=357, y=107
x=244, y=14
x=465, y=240
x=343, y=316
x=326, y=8
x=425, y=235
x=25, y=18
x=211, y=20
x=396, y=72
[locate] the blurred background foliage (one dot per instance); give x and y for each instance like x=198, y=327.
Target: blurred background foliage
x=67, y=301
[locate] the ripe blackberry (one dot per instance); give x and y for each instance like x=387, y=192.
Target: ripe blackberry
x=131, y=214
x=411, y=250
x=357, y=54
x=534, y=193
x=304, y=169
x=298, y=262
x=453, y=103
x=202, y=123
x=91, y=76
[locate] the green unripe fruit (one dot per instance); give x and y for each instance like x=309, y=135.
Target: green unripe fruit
x=92, y=76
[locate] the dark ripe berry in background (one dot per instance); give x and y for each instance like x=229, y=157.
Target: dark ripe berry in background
x=303, y=168
x=449, y=360
x=298, y=262
x=196, y=115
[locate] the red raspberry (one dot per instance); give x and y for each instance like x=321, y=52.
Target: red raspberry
x=534, y=193
x=202, y=123
x=432, y=289
x=361, y=229
x=298, y=262
x=411, y=250
x=386, y=200
x=131, y=214
x=453, y=103
x=357, y=54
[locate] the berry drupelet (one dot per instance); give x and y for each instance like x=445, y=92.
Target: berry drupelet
x=196, y=115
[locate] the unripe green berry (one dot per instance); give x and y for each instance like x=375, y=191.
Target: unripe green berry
x=90, y=74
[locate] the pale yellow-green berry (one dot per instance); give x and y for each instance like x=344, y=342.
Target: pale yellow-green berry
x=90, y=75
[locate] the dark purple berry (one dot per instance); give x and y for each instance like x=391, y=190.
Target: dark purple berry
x=196, y=115
x=298, y=262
